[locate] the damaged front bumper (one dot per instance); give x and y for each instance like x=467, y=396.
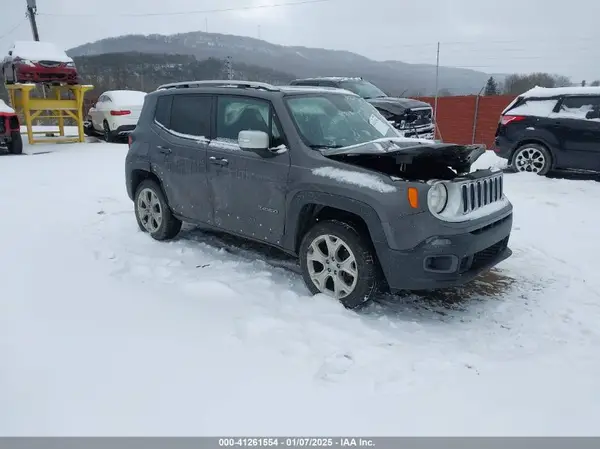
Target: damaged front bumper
x=450, y=257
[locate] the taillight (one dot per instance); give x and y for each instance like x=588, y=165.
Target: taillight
x=506, y=119
x=120, y=112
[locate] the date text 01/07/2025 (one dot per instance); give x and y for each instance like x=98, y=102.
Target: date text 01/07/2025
x=296, y=442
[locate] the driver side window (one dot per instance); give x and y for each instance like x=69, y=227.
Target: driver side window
x=235, y=114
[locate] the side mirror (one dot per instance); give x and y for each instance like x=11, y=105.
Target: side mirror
x=10, y=53
x=253, y=140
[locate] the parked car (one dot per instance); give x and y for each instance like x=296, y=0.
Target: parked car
x=548, y=129
x=413, y=118
x=115, y=114
x=10, y=130
x=320, y=174
x=38, y=62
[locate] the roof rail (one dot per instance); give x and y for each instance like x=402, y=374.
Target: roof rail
x=220, y=83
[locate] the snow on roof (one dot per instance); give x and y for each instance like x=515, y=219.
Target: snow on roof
x=6, y=108
x=544, y=92
x=127, y=97
x=39, y=51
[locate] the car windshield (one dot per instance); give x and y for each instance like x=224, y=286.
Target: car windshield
x=336, y=120
x=363, y=89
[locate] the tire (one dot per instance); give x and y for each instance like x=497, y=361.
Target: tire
x=108, y=135
x=532, y=158
x=367, y=279
x=149, y=193
x=89, y=130
x=15, y=144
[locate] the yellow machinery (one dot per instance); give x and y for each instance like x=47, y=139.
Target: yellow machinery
x=57, y=104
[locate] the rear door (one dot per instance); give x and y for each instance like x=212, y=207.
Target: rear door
x=248, y=190
x=577, y=120
x=182, y=126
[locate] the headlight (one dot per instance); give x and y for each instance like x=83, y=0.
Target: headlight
x=437, y=198
x=70, y=64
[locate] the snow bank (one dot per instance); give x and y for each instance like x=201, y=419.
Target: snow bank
x=359, y=179
x=39, y=51
x=6, y=108
x=127, y=97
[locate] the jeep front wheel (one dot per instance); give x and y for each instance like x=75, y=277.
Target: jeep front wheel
x=338, y=261
x=153, y=213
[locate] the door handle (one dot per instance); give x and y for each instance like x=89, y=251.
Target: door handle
x=164, y=150
x=218, y=161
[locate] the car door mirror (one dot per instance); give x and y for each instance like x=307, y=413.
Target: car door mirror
x=10, y=53
x=253, y=140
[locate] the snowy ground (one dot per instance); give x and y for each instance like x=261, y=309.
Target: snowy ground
x=104, y=331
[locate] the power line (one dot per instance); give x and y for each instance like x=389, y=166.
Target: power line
x=204, y=11
x=13, y=29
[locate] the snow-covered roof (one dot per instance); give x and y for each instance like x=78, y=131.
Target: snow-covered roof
x=546, y=92
x=6, y=108
x=39, y=51
x=126, y=97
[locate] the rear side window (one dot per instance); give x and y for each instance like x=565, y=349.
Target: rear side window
x=587, y=107
x=163, y=110
x=190, y=115
x=533, y=107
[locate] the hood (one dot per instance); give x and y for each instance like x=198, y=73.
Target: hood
x=419, y=153
x=397, y=105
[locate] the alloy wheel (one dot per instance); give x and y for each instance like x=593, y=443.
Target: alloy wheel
x=332, y=266
x=149, y=210
x=530, y=160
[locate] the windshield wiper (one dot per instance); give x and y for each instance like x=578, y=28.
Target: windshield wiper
x=326, y=147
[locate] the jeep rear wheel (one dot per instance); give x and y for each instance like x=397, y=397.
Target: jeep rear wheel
x=153, y=213
x=338, y=261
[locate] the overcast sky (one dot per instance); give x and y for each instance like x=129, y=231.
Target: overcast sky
x=490, y=36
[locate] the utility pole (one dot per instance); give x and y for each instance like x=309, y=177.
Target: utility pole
x=31, y=12
x=437, y=86
x=229, y=68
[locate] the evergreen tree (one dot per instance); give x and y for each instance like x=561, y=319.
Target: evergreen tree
x=491, y=88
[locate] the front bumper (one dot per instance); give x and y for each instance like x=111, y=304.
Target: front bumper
x=443, y=261
x=46, y=75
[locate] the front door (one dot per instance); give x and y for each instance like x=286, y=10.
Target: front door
x=578, y=124
x=248, y=189
x=182, y=124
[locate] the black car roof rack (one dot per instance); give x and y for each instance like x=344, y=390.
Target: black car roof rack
x=220, y=83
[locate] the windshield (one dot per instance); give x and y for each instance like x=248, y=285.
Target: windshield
x=335, y=120
x=363, y=89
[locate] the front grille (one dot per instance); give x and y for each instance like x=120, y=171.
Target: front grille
x=476, y=194
x=49, y=64
x=422, y=117
x=484, y=257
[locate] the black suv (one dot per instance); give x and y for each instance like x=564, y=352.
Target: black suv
x=551, y=129
x=412, y=118
x=320, y=174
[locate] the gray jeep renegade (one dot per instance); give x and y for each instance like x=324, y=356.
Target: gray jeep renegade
x=320, y=174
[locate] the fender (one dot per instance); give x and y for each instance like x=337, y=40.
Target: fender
x=363, y=210
x=133, y=163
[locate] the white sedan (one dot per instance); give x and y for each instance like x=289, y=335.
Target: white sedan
x=115, y=114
